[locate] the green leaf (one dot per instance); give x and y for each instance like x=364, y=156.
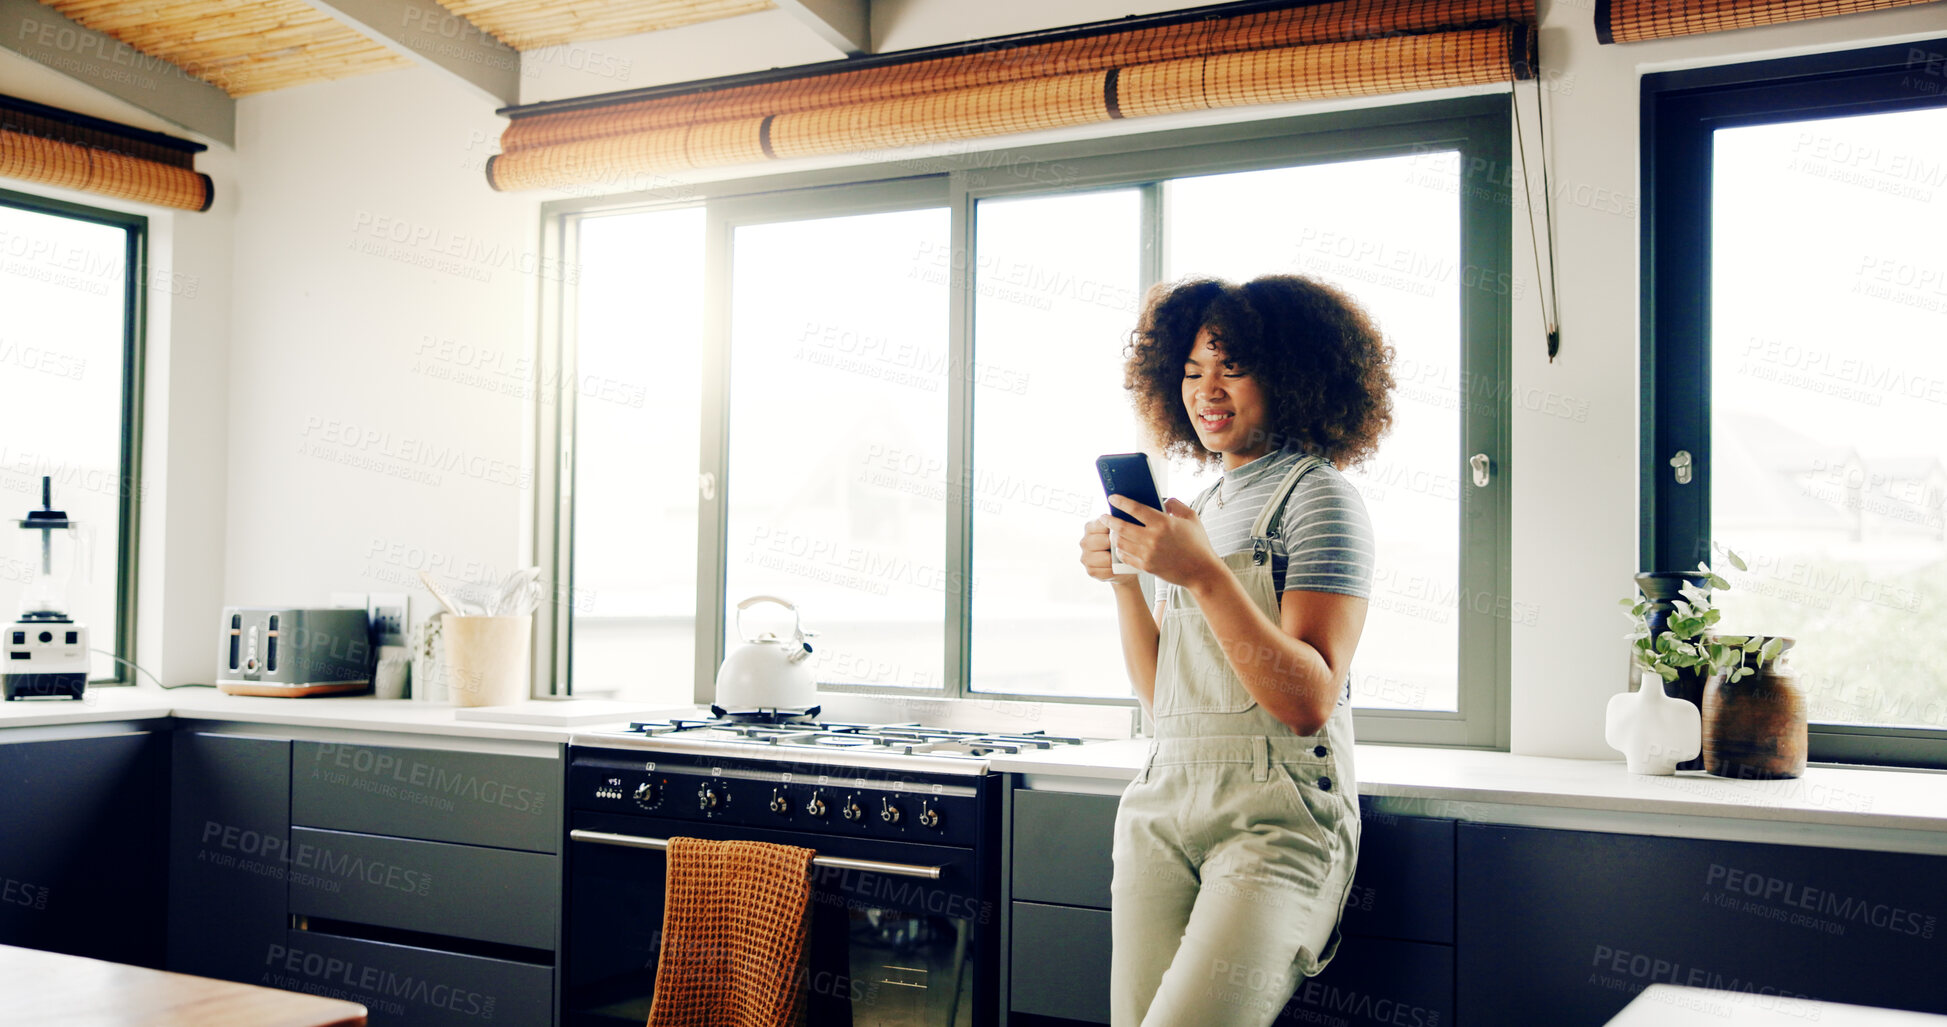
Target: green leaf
x=1717, y=582
x=1666, y=673
x=1740, y=674
x=1772, y=649
x=1736, y=560
x=1713, y=617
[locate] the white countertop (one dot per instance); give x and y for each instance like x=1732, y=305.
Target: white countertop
x=358, y=713
x=1877, y=808
x=1462, y=782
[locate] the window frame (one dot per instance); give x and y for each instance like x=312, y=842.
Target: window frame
x=1680, y=112
x=134, y=341
x=1477, y=126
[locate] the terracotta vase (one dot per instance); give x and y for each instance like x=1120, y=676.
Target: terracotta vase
x=1663, y=589
x=1756, y=728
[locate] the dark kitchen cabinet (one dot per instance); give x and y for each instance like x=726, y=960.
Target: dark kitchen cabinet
x=1565, y=927
x=229, y=854
x=441, y=795
x=1395, y=966
x=425, y=883
x=82, y=823
x=413, y=985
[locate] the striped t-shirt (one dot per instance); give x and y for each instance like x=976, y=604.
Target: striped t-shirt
x=1325, y=541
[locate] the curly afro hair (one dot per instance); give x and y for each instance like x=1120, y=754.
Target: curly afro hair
x=1325, y=371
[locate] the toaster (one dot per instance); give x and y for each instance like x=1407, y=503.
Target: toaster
x=294, y=651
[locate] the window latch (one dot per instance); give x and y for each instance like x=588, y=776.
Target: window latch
x=1682, y=463
x=1481, y=466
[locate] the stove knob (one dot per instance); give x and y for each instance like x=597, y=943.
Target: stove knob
x=852, y=810
x=888, y=812
x=929, y=817
x=816, y=807
x=706, y=798
x=780, y=804
x=645, y=793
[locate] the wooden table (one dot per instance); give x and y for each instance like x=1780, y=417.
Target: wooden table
x=1670, y=1005
x=50, y=988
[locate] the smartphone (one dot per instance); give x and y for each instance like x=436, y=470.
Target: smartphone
x=1127, y=474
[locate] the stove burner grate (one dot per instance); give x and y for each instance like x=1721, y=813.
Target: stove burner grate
x=793, y=729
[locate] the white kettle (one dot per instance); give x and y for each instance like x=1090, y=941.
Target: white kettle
x=768, y=672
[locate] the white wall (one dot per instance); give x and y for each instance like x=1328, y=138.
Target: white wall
x=381, y=328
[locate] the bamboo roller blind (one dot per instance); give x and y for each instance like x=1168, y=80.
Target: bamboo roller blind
x=1626, y=21
x=1329, y=49
x=54, y=147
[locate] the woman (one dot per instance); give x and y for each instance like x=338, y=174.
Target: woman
x=1235, y=845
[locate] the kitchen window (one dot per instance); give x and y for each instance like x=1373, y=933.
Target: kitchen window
x=904, y=382
x=1795, y=305
x=70, y=382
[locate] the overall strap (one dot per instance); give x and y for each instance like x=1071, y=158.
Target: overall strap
x=1275, y=507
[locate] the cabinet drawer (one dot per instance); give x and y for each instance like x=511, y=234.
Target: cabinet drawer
x=511, y=802
x=1379, y=982
x=401, y=985
x=1062, y=846
x=1404, y=887
x=1060, y=962
x=462, y=891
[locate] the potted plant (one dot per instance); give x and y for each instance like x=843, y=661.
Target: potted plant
x=1754, y=722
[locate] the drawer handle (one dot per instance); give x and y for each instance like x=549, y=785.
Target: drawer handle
x=630, y=841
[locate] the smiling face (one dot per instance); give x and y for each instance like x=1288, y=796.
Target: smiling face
x=1225, y=405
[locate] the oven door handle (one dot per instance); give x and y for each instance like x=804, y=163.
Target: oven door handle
x=872, y=866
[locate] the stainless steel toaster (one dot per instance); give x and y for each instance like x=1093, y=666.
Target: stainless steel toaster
x=294, y=651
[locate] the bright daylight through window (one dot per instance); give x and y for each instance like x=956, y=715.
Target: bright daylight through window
x=1386, y=230
x=1828, y=387
x=63, y=347
x=801, y=388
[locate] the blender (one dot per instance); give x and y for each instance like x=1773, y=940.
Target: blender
x=47, y=650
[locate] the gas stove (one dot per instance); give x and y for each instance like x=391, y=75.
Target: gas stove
x=798, y=736
x=904, y=819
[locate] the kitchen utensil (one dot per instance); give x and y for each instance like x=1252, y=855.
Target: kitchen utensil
x=439, y=593
x=47, y=650
x=768, y=672
x=513, y=592
x=294, y=651
x=487, y=659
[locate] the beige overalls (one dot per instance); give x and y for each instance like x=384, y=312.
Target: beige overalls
x=1235, y=845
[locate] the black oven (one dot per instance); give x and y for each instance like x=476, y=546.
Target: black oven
x=904, y=921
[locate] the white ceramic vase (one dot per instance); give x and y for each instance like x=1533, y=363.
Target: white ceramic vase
x=1653, y=731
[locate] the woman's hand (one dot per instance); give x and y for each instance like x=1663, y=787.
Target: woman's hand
x=1097, y=557
x=1169, y=543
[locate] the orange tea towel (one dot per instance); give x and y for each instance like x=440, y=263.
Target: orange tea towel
x=735, y=917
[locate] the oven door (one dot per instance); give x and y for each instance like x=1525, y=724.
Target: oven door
x=887, y=949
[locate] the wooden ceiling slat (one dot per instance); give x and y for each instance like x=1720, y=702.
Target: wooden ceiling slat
x=528, y=24
x=251, y=46
x=241, y=48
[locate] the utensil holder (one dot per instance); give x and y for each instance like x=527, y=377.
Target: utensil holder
x=487, y=659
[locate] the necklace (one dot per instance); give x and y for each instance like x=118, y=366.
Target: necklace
x=1243, y=484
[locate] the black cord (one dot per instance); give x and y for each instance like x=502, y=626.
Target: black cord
x=1551, y=296
x=152, y=677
